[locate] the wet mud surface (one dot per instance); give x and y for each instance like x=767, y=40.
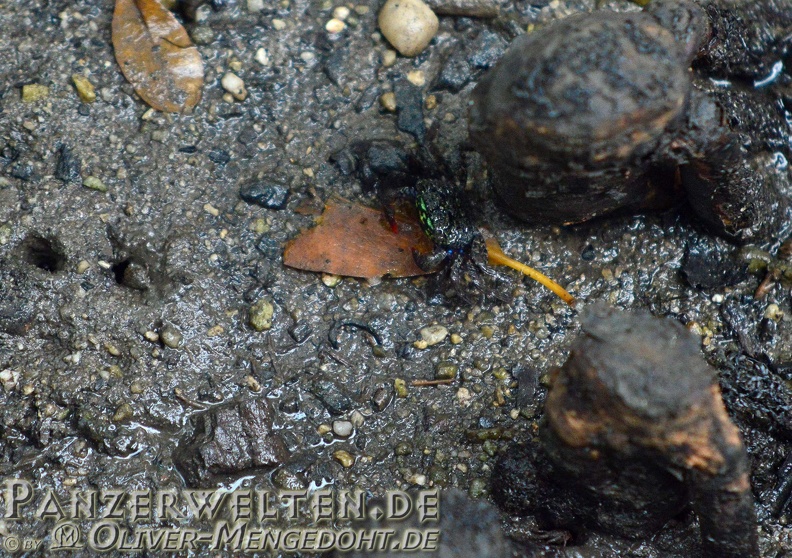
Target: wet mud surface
x=125, y=341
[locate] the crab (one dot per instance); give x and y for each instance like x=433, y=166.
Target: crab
x=608, y=112
x=460, y=252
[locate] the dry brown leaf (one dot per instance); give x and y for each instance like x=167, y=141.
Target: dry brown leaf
x=356, y=241
x=156, y=55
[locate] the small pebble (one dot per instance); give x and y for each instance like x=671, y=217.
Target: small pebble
x=234, y=85
x=83, y=266
x=433, y=334
x=335, y=26
x=94, y=183
x=409, y=25
x=34, y=92
x=400, y=386
x=416, y=77
x=252, y=384
x=464, y=397
x=388, y=101
x=331, y=280
x=123, y=412
x=214, y=331
x=85, y=89
x=431, y=102
x=357, y=419
x=9, y=379
x=773, y=312
x=389, y=58
x=261, y=315
x=456, y=339
x=171, y=337
x=345, y=458
x=255, y=5
x=262, y=57
x=278, y=24
x=211, y=210
x=417, y=479
x=323, y=429
x=343, y=428
x=446, y=370
x=151, y=336
x=341, y=12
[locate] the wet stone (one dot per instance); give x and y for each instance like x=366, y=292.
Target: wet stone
x=18, y=302
x=343, y=428
x=331, y=396
x=381, y=399
x=409, y=103
x=68, y=167
x=456, y=73
x=22, y=171
x=228, y=439
x=706, y=268
x=300, y=331
x=219, y=156
x=271, y=195
x=171, y=337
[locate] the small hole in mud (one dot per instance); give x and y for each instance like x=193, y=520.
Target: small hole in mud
x=119, y=269
x=42, y=253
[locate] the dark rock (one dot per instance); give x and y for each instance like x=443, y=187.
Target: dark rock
x=8, y=155
x=22, y=171
x=229, y=439
x=368, y=98
x=588, y=253
x=269, y=194
x=247, y=136
x=219, y=156
x=300, y=331
x=487, y=48
x=527, y=384
x=456, y=72
x=382, y=398
x=269, y=247
x=409, y=103
x=68, y=167
x=18, y=300
x=188, y=149
x=332, y=397
x=335, y=66
x=706, y=268
x=83, y=110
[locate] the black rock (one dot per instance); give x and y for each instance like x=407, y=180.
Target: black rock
x=706, y=268
x=335, y=66
x=456, y=73
x=18, y=301
x=229, y=439
x=219, y=156
x=487, y=48
x=22, y=171
x=409, y=103
x=588, y=253
x=68, y=167
x=300, y=331
x=269, y=194
x=332, y=397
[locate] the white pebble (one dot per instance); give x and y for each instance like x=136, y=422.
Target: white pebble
x=342, y=428
x=255, y=5
x=408, y=25
x=341, y=12
x=234, y=85
x=335, y=26
x=262, y=57
x=433, y=334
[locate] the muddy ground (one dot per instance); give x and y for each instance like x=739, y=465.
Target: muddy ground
x=125, y=313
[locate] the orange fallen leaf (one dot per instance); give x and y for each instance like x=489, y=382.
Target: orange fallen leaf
x=356, y=241
x=156, y=55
